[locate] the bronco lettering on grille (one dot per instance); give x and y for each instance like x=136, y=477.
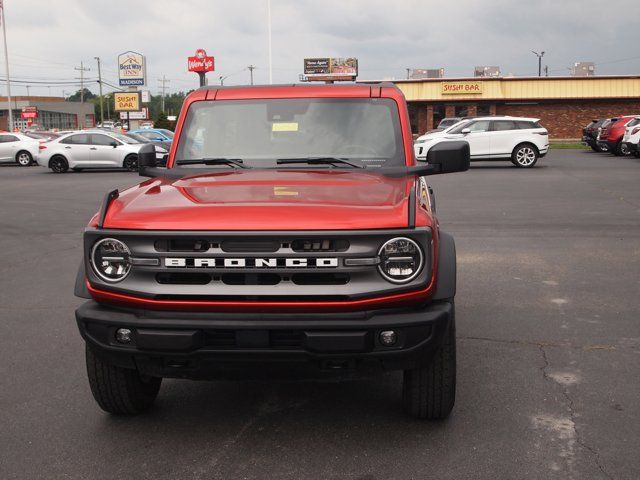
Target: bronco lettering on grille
x=184, y=262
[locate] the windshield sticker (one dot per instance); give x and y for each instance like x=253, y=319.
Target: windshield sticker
x=284, y=127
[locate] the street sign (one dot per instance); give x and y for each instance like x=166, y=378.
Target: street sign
x=141, y=115
x=132, y=69
x=146, y=98
x=127, y=101
x=201, y=62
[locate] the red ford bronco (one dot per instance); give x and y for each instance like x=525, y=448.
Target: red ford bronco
x=290, y=232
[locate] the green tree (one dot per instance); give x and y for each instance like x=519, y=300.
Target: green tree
x=88, y=95
x=161, y=121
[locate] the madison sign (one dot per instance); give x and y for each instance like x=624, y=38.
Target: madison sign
x=131, y=69
x=460, y=88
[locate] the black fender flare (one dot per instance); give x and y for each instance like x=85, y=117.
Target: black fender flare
x=80, y=289
x=446, y=276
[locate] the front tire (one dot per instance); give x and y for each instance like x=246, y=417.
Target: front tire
x=524, y=155
x=131, y=163
x=120, y=390
x=58, y=164
x=429, y=391
x=24, y=158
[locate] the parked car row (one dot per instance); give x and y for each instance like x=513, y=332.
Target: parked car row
x=519, y=140
x=617, y=135
x=82, y=149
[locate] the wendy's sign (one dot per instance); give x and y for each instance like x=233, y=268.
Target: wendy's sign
x=200, y=62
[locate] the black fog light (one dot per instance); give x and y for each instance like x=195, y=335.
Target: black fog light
x=388, y=338
x=123, y=335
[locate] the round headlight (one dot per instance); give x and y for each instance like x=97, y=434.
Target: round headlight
x=400, y=260
x=110, y=259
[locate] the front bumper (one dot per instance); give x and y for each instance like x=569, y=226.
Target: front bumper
x=230, y=345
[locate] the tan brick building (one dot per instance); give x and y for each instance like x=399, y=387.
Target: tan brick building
x=564, y=104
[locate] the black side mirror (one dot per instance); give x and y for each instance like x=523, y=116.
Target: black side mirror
x=449, y=157
x=114, y=144
x=147, y=160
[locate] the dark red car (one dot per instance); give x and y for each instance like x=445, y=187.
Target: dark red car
x=612, y=133
x=292, y=230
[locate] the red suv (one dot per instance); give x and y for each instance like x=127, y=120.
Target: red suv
x=611, y=134
x=291, y=230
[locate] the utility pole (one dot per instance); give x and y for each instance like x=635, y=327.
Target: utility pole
x=408, y=73
x=163, y=81
x=269, y=32
x=6, y=64
x=539, y=55
x=82, y=70
x=251, y=68
x=546, y=70
x=100, y=87
x=108, y=106
x=28, y=87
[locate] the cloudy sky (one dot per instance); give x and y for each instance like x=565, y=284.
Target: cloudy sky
x=47, y=38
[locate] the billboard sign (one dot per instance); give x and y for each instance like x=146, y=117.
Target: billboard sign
x=29, y=112
x=200, y=62
x=127, y=101
x=131, y=69
x=141, y=115
x=331, y=68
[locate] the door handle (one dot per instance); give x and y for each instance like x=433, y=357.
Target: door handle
x=67, y=147
x=93, y=148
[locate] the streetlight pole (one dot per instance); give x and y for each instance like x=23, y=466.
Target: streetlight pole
x=100, y=87
x=6, y=65
x=251, y=68
x=269, y=28
x=539, y=55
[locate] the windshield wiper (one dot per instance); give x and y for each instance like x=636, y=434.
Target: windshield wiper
x=318, y=161
x=235, y=162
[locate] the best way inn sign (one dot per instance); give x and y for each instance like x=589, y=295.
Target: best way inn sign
x=131, y=69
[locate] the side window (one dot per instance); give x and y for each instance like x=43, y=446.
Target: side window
x=8, y=138
x=149, y=135
x=634, y=122
x=97, y=139
x=80, y=139
x=479, y=126
x=502, y=125
x=522, y=125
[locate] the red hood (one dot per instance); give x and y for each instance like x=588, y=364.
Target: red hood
x=265, y=200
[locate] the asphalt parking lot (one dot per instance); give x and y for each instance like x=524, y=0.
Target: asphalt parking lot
x=548, y=349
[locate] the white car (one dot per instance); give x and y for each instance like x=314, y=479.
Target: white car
x=90, y=149
x=18, y=148
x=631, y=137
x=520, y=140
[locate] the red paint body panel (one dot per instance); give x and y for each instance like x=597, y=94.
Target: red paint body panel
x=265, y=200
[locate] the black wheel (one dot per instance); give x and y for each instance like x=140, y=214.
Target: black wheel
x=429, y=391
x=120, y=390
x=131, y=163
x=24, y=158
x=595, y=148
x=623, y=149
x=524, y=155
x=603, y=148
x=58, y=164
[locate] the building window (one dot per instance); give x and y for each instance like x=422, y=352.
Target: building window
x=462, y=111
x=484, y=109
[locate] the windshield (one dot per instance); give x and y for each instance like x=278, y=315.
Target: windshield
x=166, y=133
x=137, y=138
x=364, y=131
x=447, y=122
x=123, y=138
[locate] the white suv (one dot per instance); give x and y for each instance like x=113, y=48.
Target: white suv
x=632, y=137
x=90, y=149
x=520, y=140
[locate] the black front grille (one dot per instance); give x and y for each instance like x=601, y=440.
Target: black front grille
x=251, y=278
x=229, y=339
x=188, y=278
